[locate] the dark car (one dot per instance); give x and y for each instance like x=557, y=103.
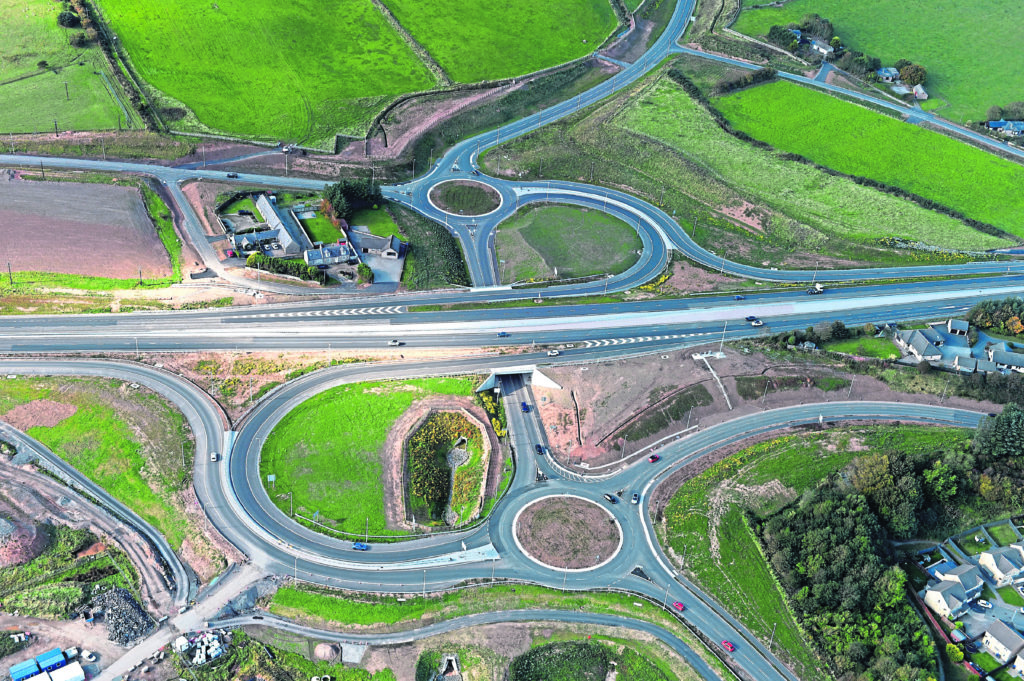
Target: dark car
x=654, y=458
x=611, y=499
x=233, y=175
x=360, y=546
x=750, y=318
x=323, y=267
x=540, y=450
x=525, y=406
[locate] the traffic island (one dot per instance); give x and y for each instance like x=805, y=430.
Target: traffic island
x=465, y=197
x=567, y=532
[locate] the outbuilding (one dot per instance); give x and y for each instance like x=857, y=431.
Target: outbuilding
x=70, y=672
x=51, y=659
x=24, y=670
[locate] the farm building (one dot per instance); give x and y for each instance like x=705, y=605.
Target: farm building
x=822, y=48
x=389, y=248
x=330, y=254
x=918, y=344
x=919, y=92
x=888, y=74
x=292, y=239
x=1011, y=128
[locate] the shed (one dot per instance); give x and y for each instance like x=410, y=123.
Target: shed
x=69, y=672
x=24, y=670
x=51, y=659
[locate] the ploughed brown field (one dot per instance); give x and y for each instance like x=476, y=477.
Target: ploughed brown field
x=86, y=229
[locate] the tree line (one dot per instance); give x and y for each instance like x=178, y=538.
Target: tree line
x=1002, y=315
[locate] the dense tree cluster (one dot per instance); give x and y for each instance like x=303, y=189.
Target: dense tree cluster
x=1011, y=112
x=742, y=80
x=1005, y=316
x=348, y=196
x=829, y=552
x=429, y=474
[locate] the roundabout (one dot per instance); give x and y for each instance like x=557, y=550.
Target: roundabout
x=465, y=198
x=567, y=532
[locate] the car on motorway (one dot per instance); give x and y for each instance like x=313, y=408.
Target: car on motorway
x=679, y=606
x=360, y=546
x=503, y=334
x=739, y=297
x=751, y=318
x=984, y=604
x=552, y=353
x=728, y=646
x=525, y=407
x=611, y=499
x=233, y=175
x=213, y=456
x=756, y=323
x=636, y=498
x=654, y=458
x=540, y=450
x=394, y=343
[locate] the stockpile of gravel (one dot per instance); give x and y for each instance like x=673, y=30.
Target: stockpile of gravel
x=125, y=619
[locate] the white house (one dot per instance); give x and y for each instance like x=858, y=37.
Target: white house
x=1004, y=564
x=1002, y=642
x=919, y=92
x=947, y=599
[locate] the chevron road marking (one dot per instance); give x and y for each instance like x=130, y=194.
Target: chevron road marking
x=346, y=312
x=637, y=339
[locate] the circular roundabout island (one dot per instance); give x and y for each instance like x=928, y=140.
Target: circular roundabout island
x=465, y=197
x=567, y=533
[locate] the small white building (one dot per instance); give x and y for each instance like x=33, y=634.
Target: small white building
x=919, y=92
x=70, y=672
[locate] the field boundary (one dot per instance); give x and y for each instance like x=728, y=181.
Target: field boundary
x=419, y=50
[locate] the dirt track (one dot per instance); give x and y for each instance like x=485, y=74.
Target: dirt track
x=88, y=229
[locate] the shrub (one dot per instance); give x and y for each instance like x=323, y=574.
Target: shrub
x=68, y=19
x=365, y=273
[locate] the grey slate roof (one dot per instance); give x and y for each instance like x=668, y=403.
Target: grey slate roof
x=1010, y=359
x=958, y=325
x=1009, y=638
x=969, y=576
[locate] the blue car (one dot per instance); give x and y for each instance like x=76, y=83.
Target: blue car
x=525, y=406
x=360, y=546
x=739, y=297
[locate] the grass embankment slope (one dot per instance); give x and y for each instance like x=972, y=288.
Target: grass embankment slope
x=343, y=609
x=327, y=451
x=130, y=442
x=970, y=53
x=704, y=519
x=33, y=97
x=658, y=143
x=562, y=242
x=485, y=40
x=58, y=581
x=855, y=140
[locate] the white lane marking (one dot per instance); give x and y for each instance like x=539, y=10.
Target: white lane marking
x=346, y=312
x=605, y=342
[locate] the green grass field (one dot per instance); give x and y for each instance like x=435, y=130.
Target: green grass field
x=485, y=40
x=30, y=35
x=1003, y=534
x=795, y=461
x=293, y=72
x=854, y=140
x=881, y=348
x=970, y=55
x=244, y=203
x=321, y=229
x=327, y=450
x=656, y=142
x=379, y=222
x=971, y=547
x=145, y=474
x=562, y=242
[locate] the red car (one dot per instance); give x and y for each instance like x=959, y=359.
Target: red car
x=654, y=457
x=679, y=606
x=728, y=646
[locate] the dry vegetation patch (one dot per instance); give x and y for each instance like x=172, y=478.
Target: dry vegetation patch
x=568, y=532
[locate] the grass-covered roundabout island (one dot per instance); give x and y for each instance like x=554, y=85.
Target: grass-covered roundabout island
x=388, y=458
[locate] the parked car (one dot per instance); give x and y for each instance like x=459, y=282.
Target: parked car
x=653, y=458
x=360, y=546
x=984, y=604
x=679, y=606
x=728, y=646
x=751, y=318
x=213, y=456
x=540, y=450
x=233, y=175
x=323, y=267
x=525, y=407
x=394, y=343
x=636, y=498
x=611, y=499
x=552, y=353
x=503, y=334
x=757, y=322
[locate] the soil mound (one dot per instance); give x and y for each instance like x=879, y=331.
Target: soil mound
x=325, y=651
x=20, y=542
